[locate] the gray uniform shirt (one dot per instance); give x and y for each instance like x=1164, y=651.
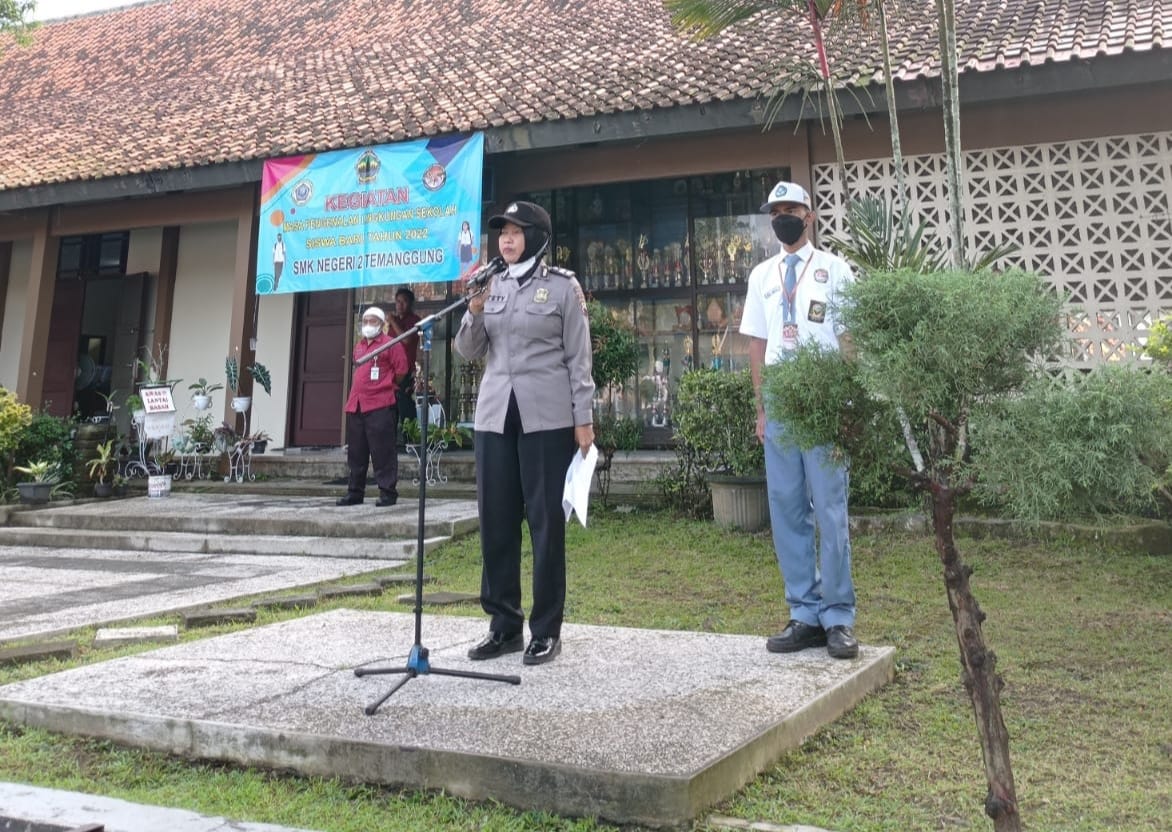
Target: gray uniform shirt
x=536, y=341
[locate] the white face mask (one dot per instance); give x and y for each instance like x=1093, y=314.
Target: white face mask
x=371, y=330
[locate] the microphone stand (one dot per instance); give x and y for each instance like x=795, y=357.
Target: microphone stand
x=417, y=660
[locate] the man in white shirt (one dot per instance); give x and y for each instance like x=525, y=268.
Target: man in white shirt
x=791, y=299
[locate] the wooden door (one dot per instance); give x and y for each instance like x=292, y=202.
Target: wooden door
x=61, y=353
x=320, y=360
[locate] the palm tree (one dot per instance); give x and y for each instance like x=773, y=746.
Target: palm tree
x=950, y=86
x=705, y=18
x=13, y=14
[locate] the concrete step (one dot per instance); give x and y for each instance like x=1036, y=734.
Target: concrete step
x=252, y=514
x=234, y=544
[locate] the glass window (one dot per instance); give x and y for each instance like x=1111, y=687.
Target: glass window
x=671, y=257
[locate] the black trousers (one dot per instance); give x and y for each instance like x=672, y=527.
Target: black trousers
x=371, y=436
x=522, y=475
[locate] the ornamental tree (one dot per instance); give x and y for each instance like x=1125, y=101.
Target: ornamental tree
x=932, y=351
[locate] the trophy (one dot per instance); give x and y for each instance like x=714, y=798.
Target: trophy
x=643, y=260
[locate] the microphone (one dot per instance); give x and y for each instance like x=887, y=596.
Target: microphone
x=489, y=270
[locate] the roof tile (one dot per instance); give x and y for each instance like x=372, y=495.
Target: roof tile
x=167, y=85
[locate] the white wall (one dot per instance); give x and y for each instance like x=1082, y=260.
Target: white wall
x=14, y=307
x=201, y=316
x=274, y=349
x=200, y=324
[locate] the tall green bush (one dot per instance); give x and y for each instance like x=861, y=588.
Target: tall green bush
x=49, y=438
x=1098, y=444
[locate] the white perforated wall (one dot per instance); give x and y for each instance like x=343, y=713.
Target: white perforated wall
x=1093, y=216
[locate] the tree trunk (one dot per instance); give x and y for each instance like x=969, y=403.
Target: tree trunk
x=978, y=664
x=950, y=88
x=901, y=205
x=831, y=103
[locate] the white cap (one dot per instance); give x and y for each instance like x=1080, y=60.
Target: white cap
x=787, y=192
x=375, y=312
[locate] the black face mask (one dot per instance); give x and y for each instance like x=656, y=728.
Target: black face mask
x=788, y=228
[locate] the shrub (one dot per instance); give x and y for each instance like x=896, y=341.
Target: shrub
x=715, y=415
x=1100, y=443
x=49, y=438
x=15, y=417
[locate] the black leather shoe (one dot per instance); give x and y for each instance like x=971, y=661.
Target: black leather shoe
x=386, y=498
x=496, y=644
x=350, y=500
x=796, y=636
x=841, y=642
x=542, y=650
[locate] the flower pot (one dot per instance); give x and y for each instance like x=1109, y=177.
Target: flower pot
x=34, y=493
x=260, y=446
x=739, y=502
x=241, y=403
x=103, y=489
x=119, y=490
x=201, y=402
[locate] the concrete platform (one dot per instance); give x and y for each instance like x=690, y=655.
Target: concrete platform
x=635, y=726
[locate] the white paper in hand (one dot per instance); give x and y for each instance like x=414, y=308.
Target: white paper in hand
x=576, y=497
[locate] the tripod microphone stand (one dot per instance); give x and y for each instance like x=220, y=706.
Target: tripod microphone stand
x=417, y=662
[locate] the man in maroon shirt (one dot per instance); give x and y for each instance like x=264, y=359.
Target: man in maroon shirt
x=402, y=319
x=372, y=416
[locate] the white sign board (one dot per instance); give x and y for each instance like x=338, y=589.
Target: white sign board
x=159, y=425
x=157, y=399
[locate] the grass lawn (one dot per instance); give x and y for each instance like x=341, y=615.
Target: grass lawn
x=1083, y=635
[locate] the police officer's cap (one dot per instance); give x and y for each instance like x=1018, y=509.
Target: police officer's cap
x=523, y=214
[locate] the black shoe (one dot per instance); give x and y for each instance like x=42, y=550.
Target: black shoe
x=496, y=644
x=350, y=500
x=841, y=642
x=386, y=498
x=796, y=636
x=542, y=650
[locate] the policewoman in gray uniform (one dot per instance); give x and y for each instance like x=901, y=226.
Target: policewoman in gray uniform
x=532, y=414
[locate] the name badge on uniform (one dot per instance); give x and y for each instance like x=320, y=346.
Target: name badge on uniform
x=817, y=313
x=541, y=295
x=821, y=275
x=374, y=372
x=789, y=336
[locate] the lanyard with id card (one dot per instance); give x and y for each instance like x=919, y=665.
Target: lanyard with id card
x=789, y=324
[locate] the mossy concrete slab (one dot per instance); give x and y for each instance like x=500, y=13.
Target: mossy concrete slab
x=635, y=726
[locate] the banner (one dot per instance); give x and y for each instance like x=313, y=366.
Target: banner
x=396, y=213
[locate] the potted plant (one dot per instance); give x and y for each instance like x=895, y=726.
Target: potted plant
x=240, y=404
x=136, y=407
x=201, y=393
x=260, y=374
x=119, y=485
x=44, y=476
x=715, y=415
x=99, y=468
x=258, y=441
x=615, y=359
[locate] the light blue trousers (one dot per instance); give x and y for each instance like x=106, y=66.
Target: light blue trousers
x=807, y=487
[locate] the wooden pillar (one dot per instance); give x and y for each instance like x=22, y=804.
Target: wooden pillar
x=165, y=295
x=38, y=308
x=5, y=270
x=241, y=334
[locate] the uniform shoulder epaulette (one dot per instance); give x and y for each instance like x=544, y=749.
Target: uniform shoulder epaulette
x=559, y=271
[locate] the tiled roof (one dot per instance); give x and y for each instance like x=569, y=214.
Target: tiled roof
x=188, y=83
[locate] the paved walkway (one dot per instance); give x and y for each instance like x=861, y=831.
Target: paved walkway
x=51, y=810
x=108, y=562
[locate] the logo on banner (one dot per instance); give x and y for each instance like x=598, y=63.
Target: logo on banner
x=435, y=177
x=368, y=167
x=302, y=193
